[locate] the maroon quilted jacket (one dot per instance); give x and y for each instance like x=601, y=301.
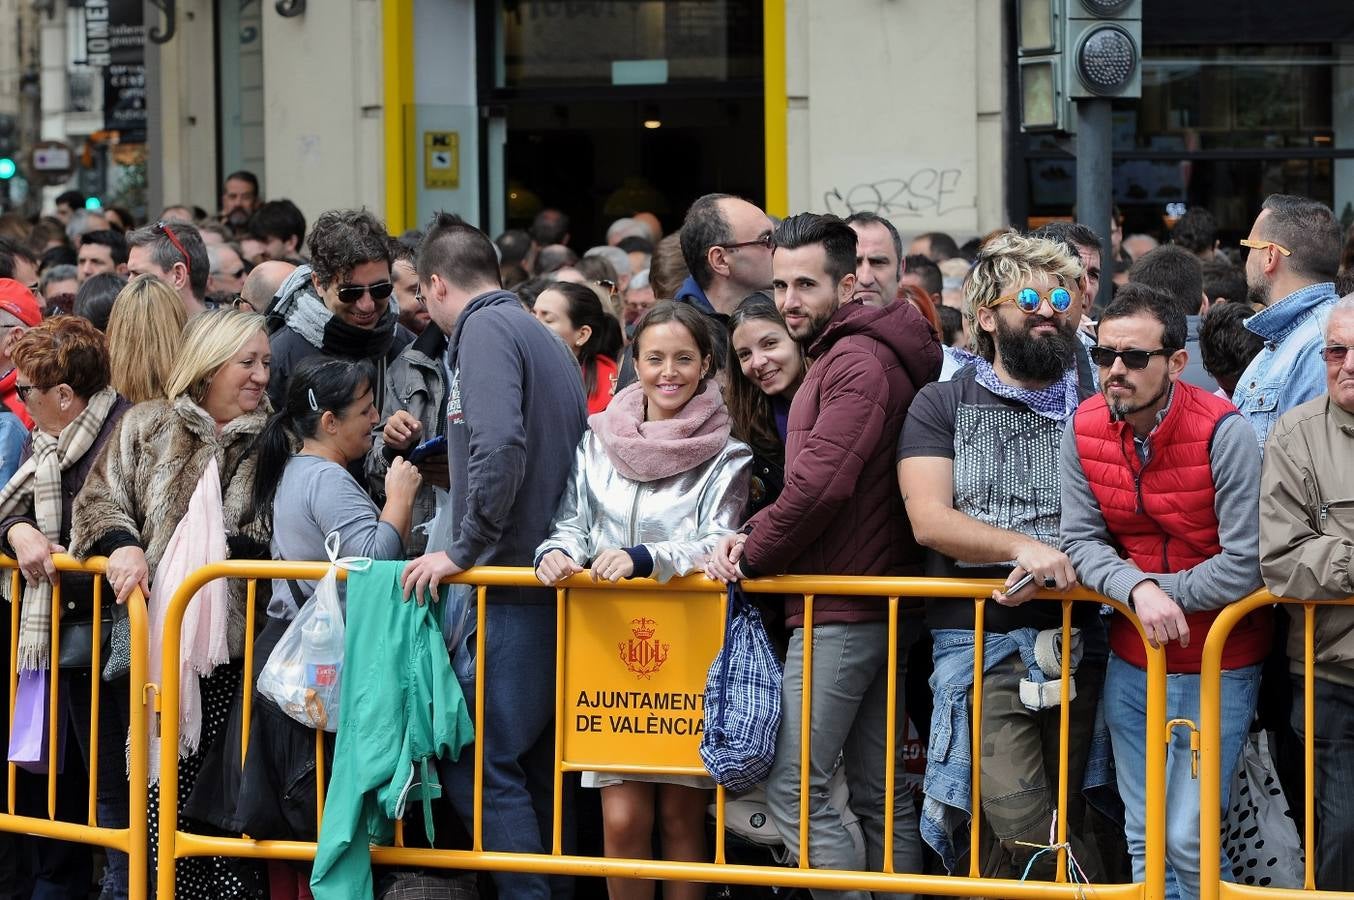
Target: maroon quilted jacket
x=840, y=512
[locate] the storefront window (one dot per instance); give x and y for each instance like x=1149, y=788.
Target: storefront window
x=553, y=43
x=1221, y=126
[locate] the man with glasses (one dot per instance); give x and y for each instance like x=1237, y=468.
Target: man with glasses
x=227, y=272
x=174, y=253
x=978, y=468
x=726, y=244
x=1293, y=253
x=340, y=304
x=1307, y=553
x=1160, y=492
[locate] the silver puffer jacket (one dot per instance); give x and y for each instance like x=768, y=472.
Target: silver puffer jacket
x=678, y=519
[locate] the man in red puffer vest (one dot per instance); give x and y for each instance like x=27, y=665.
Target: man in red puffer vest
x=1160, y=500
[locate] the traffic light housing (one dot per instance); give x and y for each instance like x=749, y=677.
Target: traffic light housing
x=1072, y=50
x=8, y=146
x=1102, y=53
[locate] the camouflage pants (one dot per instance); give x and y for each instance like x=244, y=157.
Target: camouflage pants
x=1019, y=773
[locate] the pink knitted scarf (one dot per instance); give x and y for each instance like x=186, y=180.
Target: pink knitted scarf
x=648, y=451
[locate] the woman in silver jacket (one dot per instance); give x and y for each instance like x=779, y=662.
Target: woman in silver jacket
x=656, y=482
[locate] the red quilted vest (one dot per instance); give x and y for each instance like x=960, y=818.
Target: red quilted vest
x=1161, y=515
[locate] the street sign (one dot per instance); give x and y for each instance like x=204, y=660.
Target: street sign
x=51, y=157
x=441, y=160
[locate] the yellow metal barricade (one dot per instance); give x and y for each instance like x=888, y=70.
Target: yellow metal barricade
x=661, y=637
x=1210, y=713
x=131, y=840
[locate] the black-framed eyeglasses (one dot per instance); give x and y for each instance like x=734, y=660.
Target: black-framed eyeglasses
x=763, y=241
x=1104, y=357
x=421, y=300
x=23, y=390
x=1335, y=353
x=163, y=228
x=351, y=293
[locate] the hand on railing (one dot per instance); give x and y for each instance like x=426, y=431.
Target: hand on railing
x=1162, y=618
x=612, y=565
x=1051, y=568
x=34, y=553
x=126, y=571
x=722, y=566
x=555, y=567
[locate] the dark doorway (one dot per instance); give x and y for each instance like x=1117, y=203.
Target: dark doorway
x=604, y=159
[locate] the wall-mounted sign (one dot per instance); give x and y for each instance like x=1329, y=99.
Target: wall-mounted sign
x=441, y=160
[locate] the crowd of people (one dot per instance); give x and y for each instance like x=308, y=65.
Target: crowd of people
x=744, y=397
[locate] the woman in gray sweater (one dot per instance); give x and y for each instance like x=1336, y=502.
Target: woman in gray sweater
x=329, y=410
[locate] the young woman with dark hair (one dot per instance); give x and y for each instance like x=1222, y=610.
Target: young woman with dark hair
x=329, y=410
x=770, y=367
x=574, y=312
x=656, y=482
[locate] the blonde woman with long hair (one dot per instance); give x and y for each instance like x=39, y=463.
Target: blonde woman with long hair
x=145, y=333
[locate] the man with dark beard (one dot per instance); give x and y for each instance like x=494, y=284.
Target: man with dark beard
x=978, y=467
x=1160, y=511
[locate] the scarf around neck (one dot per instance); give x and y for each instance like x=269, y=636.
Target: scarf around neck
x=648, y=451
x=1057, y=401
x=323, y=330
x=35, y=489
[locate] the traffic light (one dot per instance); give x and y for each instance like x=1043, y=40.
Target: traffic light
x=8, y=145
x=1075, y=50
x=1103, y=48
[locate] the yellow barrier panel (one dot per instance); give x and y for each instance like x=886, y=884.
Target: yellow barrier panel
x=633, y=630
x=131, y=840
x=1210, y=728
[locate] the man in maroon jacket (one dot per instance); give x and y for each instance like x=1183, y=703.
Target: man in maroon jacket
x=839, y=514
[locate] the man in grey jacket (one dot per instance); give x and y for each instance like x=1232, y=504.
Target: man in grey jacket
x=1307, y=553
x=515, y=413
x=1160, y=484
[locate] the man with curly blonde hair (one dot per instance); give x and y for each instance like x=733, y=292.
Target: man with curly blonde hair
x=978, y=468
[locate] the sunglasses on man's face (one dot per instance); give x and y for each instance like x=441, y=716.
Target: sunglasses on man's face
x=1335, y=353
x=1104, y=357
x=1028, y=300
x=351, y=293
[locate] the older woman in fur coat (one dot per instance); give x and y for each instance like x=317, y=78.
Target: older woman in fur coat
x=169, y=492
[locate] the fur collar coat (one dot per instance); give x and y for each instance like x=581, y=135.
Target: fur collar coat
x=142, y=482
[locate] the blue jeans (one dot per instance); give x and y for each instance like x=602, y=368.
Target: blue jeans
x=1334, y=788
x=850, y=671
x=1125, y=698
x=519, y=715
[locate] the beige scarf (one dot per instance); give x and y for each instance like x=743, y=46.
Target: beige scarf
x=35, y=490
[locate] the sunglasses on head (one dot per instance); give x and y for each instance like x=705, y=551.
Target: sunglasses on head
x=1028, y=300
x=1104, y=357
x=163, y=228
x=351, y=293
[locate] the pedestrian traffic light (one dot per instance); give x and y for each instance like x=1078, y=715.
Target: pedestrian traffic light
x=9, y=136
x=1043, y=98
x=1102, y=48
x=1075, y=50
x=8, y=168
x=93, y=203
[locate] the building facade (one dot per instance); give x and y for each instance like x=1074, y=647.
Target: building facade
x=497, y=108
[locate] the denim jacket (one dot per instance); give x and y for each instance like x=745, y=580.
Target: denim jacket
x=949, y=763
x=1288, y=370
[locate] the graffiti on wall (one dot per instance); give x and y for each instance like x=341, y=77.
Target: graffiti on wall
x=925, y=193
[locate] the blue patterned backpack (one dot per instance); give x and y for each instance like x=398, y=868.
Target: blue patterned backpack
x=742, y=701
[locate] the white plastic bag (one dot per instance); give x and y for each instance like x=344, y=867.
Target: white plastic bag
x=304, y=673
